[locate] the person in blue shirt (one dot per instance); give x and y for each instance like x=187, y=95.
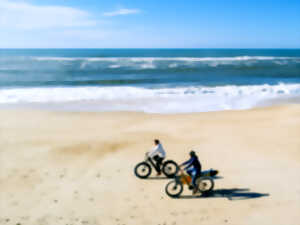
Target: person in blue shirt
x=193, y=168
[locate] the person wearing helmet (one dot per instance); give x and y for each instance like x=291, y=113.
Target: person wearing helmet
x=158, y=154
x=193, y=168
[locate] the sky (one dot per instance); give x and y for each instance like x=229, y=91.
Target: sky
x=150, y=24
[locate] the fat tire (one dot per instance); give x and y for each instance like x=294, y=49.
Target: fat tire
x=164, y=168
x=211, y=182
x=148, y=168
x=169, y=185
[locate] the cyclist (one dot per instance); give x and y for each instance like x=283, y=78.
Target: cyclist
x=193, y=168
x=158, y=154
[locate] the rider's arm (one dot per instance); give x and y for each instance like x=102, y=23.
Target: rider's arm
x=189, y=163
x=153, y=151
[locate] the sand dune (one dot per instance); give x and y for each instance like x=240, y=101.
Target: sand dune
x=77, y=168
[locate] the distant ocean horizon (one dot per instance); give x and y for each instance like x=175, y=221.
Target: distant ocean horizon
x=148, y=80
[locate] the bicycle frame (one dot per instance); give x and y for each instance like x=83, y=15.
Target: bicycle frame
x=148, y=159
x=184, y=178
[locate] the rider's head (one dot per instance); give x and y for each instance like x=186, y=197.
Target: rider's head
x=156, y=141
x=192, y=153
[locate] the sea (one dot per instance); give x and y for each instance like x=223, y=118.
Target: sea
x=148, y=80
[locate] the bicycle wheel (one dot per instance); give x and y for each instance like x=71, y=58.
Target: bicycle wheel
x=170, y=168
x=174, y=189
x=205, y=184
x=142, y=170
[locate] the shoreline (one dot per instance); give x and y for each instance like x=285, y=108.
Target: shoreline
x=162, y=99
x=96, y=106
x=77, y=167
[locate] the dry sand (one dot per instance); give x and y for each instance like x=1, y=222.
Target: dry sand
x=77, y=168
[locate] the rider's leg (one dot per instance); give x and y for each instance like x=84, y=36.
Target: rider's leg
x=190, y=172
x=196, y=174
x=158, y=161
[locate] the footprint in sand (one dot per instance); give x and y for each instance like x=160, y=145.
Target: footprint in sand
x=185, y=212
x=25, y=217
x=174, y=213
x=15, y=203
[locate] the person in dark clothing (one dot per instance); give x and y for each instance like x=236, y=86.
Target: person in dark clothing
x=193, y=168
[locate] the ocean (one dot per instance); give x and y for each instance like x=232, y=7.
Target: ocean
x=148, y=80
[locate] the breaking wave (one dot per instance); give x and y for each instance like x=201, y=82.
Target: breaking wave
x=158, y=100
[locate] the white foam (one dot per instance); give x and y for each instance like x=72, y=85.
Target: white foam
x=114, y=66
x=170, y=62
x=152, y=59
x=173, y=65
x=162, y=100
x=147, y=66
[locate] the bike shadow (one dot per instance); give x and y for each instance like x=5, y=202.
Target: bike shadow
x=167, y=178
x=231, y=194
x=158, y=178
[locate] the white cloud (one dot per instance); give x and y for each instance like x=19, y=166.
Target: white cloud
x=28, y=25
x=122, y=12
x=21, y=15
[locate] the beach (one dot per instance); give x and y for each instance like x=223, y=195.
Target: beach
x=77, y=167
x=91, y=90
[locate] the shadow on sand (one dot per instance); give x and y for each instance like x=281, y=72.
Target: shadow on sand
x=158, y=178
x=230, y=194
x=166, y=178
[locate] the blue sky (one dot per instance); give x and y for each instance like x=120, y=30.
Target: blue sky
x=150, y=24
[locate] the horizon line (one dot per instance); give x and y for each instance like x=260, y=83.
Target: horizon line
x=148, y=48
